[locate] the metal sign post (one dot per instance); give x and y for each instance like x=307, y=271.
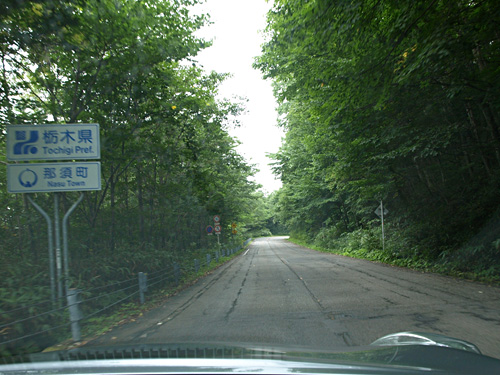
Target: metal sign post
x=65, y=242
x=382, y=217
x=217, y=227
x=380, y=212
x=58, y=247
x=51, y=249
x=54, y=142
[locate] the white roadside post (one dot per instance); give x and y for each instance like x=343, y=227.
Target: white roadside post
x=380, y=212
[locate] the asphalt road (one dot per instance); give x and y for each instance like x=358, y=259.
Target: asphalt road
x=278, y=293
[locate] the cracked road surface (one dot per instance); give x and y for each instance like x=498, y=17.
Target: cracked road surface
x=278, y=293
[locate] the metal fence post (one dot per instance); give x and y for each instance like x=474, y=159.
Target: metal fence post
x=209, y=259
x=217, y=256
x=75, y=314
x=143, y=286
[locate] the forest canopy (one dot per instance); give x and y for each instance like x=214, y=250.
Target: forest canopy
x=168, y=162
x=393, y=101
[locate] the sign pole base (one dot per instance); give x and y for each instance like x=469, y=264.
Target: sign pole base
x=51, y=248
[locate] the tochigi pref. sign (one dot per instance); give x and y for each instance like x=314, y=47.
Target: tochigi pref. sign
x=53, y=142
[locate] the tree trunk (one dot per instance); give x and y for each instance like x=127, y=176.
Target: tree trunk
x=140, y=199
x=495, y=134
x=113, y=218
x=152, y=210
x=424, y=179
x=475, y=130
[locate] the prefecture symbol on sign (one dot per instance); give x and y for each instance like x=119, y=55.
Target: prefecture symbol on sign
x=23, y=145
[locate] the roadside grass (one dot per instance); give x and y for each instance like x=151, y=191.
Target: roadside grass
x=127, y=312
x=457, y=264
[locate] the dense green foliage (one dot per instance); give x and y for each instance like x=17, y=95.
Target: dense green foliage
x=395, y=101
x=168, y=162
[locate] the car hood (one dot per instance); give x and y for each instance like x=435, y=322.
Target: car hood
x=400, y=353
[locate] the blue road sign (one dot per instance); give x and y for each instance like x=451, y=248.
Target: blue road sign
x=53, y=177
x=53, y=142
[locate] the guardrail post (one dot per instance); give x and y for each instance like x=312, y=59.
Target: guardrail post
x=177, y=273
x=143, y=286
x=75, y=314
x=196, y=265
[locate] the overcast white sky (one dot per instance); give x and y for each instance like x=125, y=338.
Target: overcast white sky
x=236, y=41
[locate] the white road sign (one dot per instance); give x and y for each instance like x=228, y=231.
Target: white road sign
x=53, y=177
x=53, y=142
x=378, y=211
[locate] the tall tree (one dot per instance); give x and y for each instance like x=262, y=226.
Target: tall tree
x=389, y=100
x=168, y=162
